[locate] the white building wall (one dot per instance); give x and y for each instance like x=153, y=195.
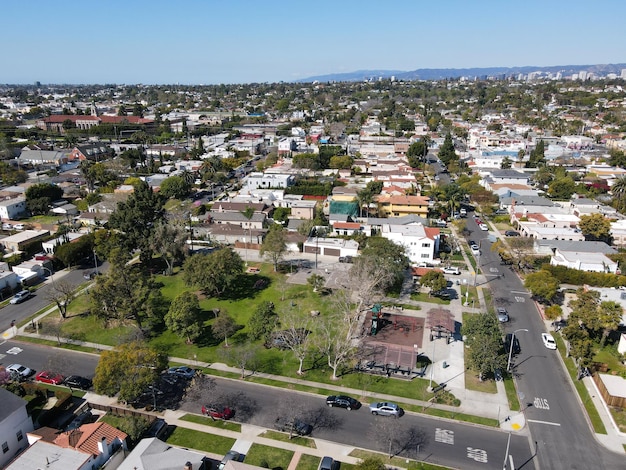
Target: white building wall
x=16, y=424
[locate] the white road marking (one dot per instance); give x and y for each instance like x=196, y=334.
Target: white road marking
x=543, y=422
x=519, y=292
x=444, y=435
x=14, y=351
x=479, y=455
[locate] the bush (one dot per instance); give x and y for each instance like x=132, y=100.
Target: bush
x=576, y=277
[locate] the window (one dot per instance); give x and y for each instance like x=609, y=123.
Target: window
x=5, y=447
x=19, y=435
x=425, y=255
x=425, y=245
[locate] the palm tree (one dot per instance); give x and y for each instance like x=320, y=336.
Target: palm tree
x=619, y=192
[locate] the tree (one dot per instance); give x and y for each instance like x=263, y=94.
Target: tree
x=184, y=316
x=295, y=335
x=128, y=370
x=72, y=253
x=562, y=188
x=552, y=312
x=61, y=293
x=263, y=321
x=175, y=187
x=371, y=463
x=609, y=318
x=248, y=214
x=214, y=273
x=619, y=193
x=435, y=280
x=316, y=281
x=274, y=245
x=39, y=197
x=389, y=256
x=506, y=163
x=343, y=162
x=245, y=356
x=483, y=339
x=542, y=285
x=168, y=240
x=126, y=293
x=595, y=227
x=224, y=326
x=447, y=154
x=137, y=217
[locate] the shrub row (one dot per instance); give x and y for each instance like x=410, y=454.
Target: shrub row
x=574, y=276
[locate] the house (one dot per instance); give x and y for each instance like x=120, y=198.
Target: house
x=504, y=177
x=19, y=240
x=85, y=448
x=398, y=206
x=43, y=158
x=92, y=219
x=331, y=246
x=231, y=234
x=11, y=208
x=346, y=228
x=548, y=247
x=583, y=261
x=8, y=281
x=15, y=424
x=257, y=180
x=29, y=271
x=65, y=209
x=256, y=221
x=154, y=454
x=94, y=152
x=50, y=245
x=421, y=243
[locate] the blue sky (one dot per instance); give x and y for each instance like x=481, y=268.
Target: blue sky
x=237, y=41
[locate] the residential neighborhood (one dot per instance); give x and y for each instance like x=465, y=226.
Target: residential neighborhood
x=354, y=233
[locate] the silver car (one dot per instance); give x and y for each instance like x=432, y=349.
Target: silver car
x=503, y=315
x=386, y=409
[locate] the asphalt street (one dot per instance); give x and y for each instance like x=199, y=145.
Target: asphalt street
x=554, y=414
x=438, y=441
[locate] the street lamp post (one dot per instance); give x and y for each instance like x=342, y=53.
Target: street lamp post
x=508, y=364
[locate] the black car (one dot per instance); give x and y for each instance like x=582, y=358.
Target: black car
x=293, y=425
x=76, y=381
x=343, y=401
x=507, y=344
x=511, y=233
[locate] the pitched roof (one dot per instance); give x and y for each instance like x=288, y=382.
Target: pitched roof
x=87, y=437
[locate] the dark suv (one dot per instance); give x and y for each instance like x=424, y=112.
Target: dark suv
x=343, y=401
x=294, y=425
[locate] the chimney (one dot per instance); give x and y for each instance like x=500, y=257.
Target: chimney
x=188, y=466
x=102, y=445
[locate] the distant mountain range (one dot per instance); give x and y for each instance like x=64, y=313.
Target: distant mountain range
x=600, y=70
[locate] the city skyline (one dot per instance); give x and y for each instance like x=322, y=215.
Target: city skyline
x=197, y=42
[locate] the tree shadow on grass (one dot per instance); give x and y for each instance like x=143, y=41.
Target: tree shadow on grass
x=247, y=287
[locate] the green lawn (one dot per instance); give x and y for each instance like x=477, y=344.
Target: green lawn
x=268, y=457
x=284, y=437
x=309, y=462
x=218, y=424
x=424, y=297
x=201, y=441
x=396, y=462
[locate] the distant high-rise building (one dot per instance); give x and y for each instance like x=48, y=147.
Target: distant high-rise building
x=623, y=75
x=582, y=75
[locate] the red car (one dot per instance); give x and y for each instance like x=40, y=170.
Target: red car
x=48, y=377
x=218, y=413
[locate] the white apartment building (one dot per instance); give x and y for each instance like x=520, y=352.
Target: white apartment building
x=421, y=243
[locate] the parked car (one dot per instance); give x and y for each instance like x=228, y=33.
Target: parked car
x=20, y=297
x=293, y=425
x=503, y=315
x=501, y=212
x=218, y=412
x=182, y=371
x=76, y=381
x=451, y=270
x=157, y=429
x=7, y=227
x=511, y=233
x=507, y=345
x=386, y=409
x=484, y=227
x=19, y=226
x=548, y=341
x=49, y=377
x=327, y=463
x=230, y=455
x=22, y=372
x=79, y=420
x=343, y=401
